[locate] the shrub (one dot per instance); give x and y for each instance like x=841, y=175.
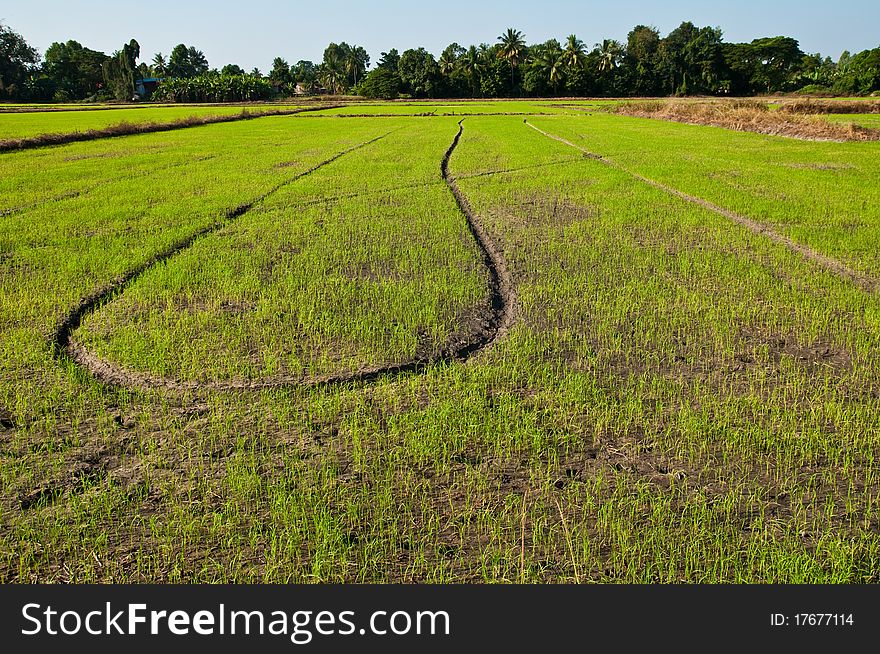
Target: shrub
x=381, y=84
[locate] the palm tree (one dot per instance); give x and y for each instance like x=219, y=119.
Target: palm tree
x=332, y=78
x=575, y=52
x=356, y=62
x=513, y=46
x=447, y=63
x=551, y=61
x=472, y=64
x=610, y=53
x=160, y=65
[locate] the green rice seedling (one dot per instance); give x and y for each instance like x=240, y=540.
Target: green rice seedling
x=680, y=399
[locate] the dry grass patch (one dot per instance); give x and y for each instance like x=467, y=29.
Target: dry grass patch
x=749, y=116
x=831, y=107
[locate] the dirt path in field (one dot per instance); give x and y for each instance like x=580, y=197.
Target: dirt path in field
x=837, y=267
x=493, y=326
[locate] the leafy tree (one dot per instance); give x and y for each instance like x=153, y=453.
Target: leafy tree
x=232, y=69
x=120, y=70
x=344, y=65
x=380, y=83
x=187, y=62
x=692, y=60
x=390, y=60
x=332, y=75
x=610, y=54
x=280, y=73
x=776, y=58
x=448, y=61
x=356, y=63
x=494, y=75
x=76, y=72
x=17, y=59
x=456, y=82
x=860, y=74
x=641, y=58
x=304, y=73
x=419, y=73
x=198, y=61
x=550, y=62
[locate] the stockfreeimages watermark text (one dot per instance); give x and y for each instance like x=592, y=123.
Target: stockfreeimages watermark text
x=300, y=626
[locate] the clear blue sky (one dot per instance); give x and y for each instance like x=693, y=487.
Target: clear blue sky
x=252, y=32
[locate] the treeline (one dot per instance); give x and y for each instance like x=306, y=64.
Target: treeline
x=690, y=60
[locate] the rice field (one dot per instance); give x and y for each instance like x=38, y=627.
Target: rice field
x=36, y=123
x=558, y=345
x=865, y=120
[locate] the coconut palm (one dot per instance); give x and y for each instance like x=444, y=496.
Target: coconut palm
x=513, y=47
x=552, y=60
x=356, y=62
x=160, y=65
x=332, y=78
x=575, y=52
x=448, y=61
x=610, y=52
x=471, y=64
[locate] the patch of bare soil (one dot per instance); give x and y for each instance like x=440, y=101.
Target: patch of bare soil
x=749, y=116
x=548, y=210
x=775, y=347
x=820, y=166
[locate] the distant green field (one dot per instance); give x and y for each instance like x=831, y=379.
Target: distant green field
x=272, y=351
x=865, y=120
x=23, y=125
x=442, y=108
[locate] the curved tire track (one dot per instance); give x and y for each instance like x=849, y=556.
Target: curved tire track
x=500, y=282
x=497, y=323
x=833, y=265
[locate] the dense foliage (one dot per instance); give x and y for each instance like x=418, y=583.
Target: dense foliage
x=120, y=71
x=380, y=84
x=17, y=58
x=214, y=88
x=690, y=60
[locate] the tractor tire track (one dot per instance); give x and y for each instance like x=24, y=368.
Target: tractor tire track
x=62, y=342
x=495, y=325
x=829, y=263
x=503, y=291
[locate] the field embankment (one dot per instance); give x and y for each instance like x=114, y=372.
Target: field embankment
x=749, y=116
